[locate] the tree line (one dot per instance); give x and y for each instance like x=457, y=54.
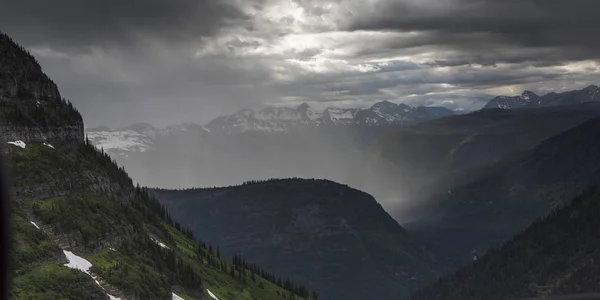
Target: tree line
x=155, y=213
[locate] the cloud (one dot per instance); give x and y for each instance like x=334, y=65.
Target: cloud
x=482, y=24
x=78, y=25
x=166, y=62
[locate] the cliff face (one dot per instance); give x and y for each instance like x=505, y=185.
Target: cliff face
x=41, y=134
x=21, y=76
x=31, y=107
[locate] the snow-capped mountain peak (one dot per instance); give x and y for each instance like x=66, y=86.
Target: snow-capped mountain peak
x=279, y=119
x=340, y=116
x=141, y=137
x=529, y=99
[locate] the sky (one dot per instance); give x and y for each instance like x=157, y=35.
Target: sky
x=168, y=62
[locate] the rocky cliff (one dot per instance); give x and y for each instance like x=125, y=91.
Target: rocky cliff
x=31, y=107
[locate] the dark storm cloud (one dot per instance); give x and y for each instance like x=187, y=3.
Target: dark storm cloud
x=185, y=60
x=570, y=25
x=77, y=25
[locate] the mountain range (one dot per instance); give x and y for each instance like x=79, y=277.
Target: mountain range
x=281, y=119
x=531, y=100
x=140, y=137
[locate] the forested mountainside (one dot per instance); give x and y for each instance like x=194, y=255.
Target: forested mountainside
x=336, y=239
x=513, y=194
x=81, y=230
x=408, y=167
x=555, y=256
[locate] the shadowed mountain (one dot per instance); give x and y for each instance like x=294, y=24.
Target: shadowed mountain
x=405, y=168
x=337, y=239
x=514, y=193
x=556, y=256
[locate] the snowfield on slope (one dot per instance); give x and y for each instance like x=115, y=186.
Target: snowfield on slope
x=79, y=263
x=36, y=226
x=212, y=295
x=83, y=265
x=159, y=243
x=175, y=297
x=18, y=144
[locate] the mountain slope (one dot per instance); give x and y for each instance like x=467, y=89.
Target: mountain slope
x=556, y=256
x=336, y=239
x=508, y=198
x=81, y=230
x=405, y=168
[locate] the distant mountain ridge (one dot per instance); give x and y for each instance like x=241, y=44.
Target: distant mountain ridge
x=141, y=136
x=280, y=119
x=531, y=100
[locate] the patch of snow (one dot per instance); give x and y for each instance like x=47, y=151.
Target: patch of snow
x=342, y=116
x=79, y=263
x=112, y=249
x=159, y=243
x=175, y=297
x=48, y=145
x=112, y=297
x=83, y=265
x=212, y=295
x=504, y=105
x=370, y=120
x=32, y=223
x=18, y=144
x=313, y=114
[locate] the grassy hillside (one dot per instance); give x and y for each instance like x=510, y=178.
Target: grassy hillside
x=555, y=256
x=85, y=203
